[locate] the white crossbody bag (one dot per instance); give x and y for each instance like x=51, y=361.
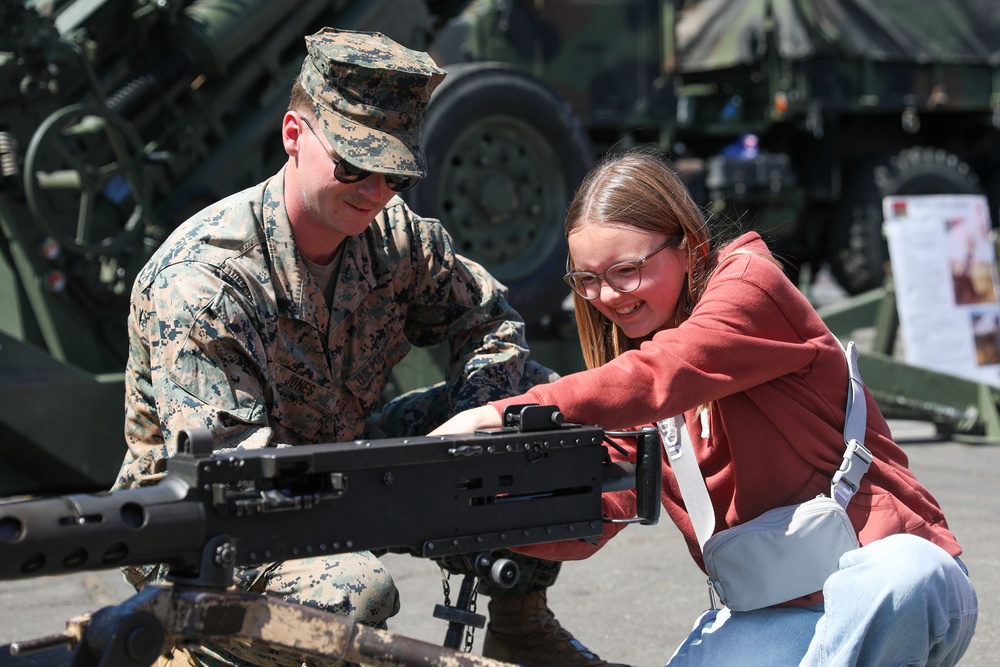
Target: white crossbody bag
x=786, y=552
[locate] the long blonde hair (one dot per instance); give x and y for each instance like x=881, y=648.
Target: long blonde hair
x=637, y=189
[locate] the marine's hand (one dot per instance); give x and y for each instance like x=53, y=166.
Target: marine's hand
x=471, y=420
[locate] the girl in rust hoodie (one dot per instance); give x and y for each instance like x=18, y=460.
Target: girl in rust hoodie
x=673, y=321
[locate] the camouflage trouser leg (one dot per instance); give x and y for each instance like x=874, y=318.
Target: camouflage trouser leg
x=420, y=411
x=351, y=584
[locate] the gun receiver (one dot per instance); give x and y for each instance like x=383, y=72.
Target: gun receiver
x=429, y=496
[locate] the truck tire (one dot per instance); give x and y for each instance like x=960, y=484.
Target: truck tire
x=858, y=249
x=504, y=155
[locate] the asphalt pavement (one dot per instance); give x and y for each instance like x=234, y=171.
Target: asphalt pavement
x=632, y=602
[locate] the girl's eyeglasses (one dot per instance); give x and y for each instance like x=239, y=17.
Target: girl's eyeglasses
x=621, y=277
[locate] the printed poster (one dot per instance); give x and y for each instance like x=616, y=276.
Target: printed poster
x=944, y=270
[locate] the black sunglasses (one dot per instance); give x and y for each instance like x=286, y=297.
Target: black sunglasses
x=345, y=172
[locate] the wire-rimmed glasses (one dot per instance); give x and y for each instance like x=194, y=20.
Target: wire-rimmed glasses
x=622, y=277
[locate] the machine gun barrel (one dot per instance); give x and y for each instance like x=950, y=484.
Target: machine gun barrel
x=429, y=496
x=100, y=531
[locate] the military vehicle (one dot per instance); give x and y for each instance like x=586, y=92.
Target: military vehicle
x=794, y=116
x=120, y=118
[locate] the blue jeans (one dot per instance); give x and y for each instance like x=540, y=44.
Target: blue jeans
x=898, y=601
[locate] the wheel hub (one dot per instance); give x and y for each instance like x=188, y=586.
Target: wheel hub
x=498, y=198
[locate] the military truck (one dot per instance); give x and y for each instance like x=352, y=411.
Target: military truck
x=794, y=117
x=120, y=118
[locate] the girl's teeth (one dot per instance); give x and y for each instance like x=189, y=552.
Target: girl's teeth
x=626, y=311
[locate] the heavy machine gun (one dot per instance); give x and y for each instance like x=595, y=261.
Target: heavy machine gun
x=536, y=480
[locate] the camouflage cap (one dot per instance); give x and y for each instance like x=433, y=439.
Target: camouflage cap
x=370, y=94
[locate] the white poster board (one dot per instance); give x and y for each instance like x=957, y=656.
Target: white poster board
x=944, y=270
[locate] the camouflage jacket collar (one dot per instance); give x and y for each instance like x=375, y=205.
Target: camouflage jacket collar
x=295, y=287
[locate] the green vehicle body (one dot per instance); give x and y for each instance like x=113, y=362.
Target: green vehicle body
x=121, y=118
x=848, y=101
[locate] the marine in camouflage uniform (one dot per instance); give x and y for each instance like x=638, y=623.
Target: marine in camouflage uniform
x=251, y=323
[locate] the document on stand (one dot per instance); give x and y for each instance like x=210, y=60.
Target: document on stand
x=944, y=271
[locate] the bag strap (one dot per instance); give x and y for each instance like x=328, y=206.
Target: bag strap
x=845, y=482
x=677, y=444
x=857, y=458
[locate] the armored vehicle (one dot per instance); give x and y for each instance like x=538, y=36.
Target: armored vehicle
x=121, y=118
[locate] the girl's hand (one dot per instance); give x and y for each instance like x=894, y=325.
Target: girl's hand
x=471, y=420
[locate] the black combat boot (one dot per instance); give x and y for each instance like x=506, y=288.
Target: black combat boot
x=524, y=631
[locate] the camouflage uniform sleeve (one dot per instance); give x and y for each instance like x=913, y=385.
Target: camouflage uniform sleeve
x=455, y=300
x=195, y=360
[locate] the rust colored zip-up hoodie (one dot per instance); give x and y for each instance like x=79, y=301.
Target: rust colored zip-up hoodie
x=775, y=380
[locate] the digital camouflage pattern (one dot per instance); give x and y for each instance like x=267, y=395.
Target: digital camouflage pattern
x=229, y=331
x=370, y=94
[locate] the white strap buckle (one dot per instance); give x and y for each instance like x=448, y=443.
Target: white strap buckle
x=845, y=483
x=670, y=436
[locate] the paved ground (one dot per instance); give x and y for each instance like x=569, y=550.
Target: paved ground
x=632, y=602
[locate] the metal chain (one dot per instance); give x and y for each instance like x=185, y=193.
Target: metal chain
x=446, y=586
x=469, y=630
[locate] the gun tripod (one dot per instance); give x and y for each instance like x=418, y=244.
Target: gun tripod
x=138, y=631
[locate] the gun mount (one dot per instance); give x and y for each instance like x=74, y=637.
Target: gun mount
x=528, y=483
